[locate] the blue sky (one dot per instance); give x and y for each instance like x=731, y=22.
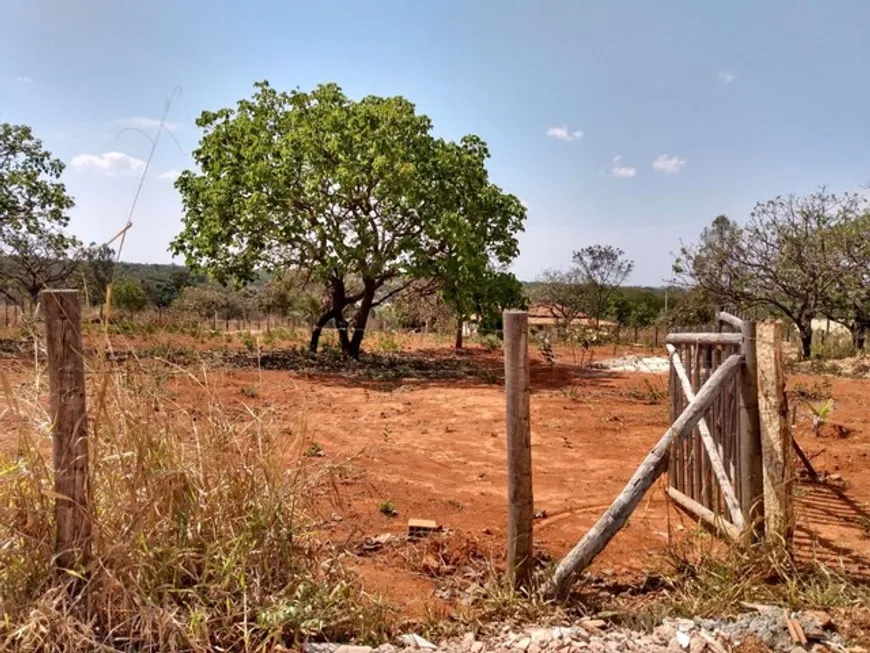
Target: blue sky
x=737, y=101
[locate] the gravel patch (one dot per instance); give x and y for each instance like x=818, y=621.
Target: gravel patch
x=642, y=364
x=767, y=628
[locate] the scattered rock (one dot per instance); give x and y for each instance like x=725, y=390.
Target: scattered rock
x=593, y=624
x=319, y=647
x=815, y=623
x=415, y=641
x=683, y=639
x=523, y=644
x=697, y=644
x=477, y=647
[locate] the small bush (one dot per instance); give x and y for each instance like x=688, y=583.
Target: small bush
x=387, y=342
x=249, y=341
x=490, y=342
x=834, y=346
x=648, y=392
x=388, y=508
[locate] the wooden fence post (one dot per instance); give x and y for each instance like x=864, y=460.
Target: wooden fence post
x=776, y=444
x=519, y=447
x=66, y=375
x=751, y=469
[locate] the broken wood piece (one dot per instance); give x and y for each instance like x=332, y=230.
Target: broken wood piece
x=714, y=521
x=418, y=528
x=795, y=631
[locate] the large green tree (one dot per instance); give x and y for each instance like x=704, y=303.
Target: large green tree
x=35, y=250
x=358, y=193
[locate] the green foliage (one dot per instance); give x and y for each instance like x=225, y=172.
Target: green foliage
x=356, y=193
x=97, y=267
x=636, y=307
x=128, y=295
x=35, y=251
x=387, y=342
x=499, y=291
x=388, y=508
x=490, y=342
x=821, y=413
x=249, y=341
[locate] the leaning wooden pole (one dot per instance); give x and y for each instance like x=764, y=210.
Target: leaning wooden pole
x=519, y=448
x=66, y=376
x=650, y=469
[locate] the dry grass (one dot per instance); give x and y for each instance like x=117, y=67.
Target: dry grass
x=704, y=578
x=205, y=537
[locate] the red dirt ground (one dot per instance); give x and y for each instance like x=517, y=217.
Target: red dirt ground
x=436, y=450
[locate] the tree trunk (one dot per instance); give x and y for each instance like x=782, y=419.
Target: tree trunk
x=362, y=318
x=318, y=329
x=806, y=332
x=859, y=334
x=458, y=343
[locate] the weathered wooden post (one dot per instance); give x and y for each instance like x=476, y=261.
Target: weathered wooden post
x=66, y=376
x=775, y=432
x=519, y=447
x=751, y=468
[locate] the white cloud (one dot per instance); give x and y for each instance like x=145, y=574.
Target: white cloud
x=172, y=175
x=562, y=134
x=22, y=79
x=670, y=165
x=621, y=171
x=113, y=164
x=145, y=123
x=727, y=76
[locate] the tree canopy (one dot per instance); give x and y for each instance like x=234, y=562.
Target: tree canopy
x=358, y=193
x=799, y=257
x=36, y=252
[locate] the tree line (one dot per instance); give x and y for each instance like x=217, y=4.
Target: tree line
x=316, y=203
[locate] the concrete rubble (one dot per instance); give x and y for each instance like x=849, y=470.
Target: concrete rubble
x=767, y=628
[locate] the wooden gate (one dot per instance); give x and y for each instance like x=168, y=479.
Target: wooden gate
x=714, y=471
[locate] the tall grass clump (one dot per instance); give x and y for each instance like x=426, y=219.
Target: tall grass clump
x=205, y=533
